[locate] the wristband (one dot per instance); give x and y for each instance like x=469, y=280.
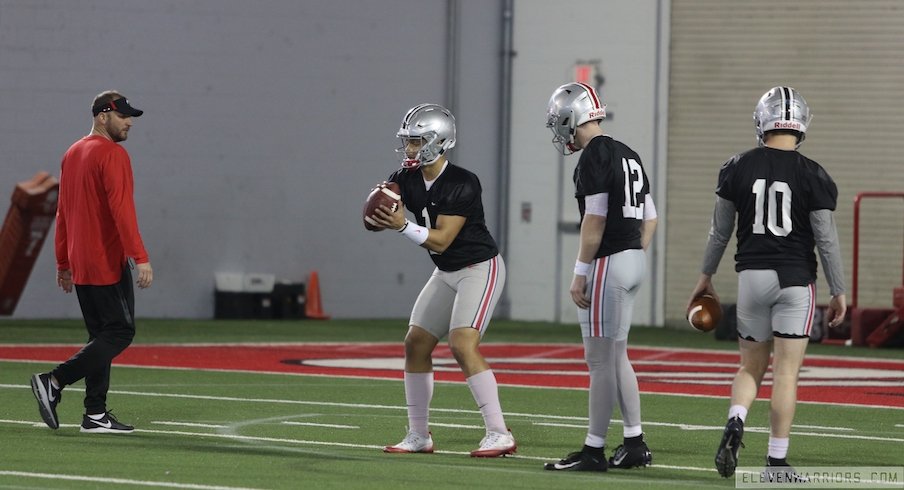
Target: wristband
x=581, y=268
x=414, y=232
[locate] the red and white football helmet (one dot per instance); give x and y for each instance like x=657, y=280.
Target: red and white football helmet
x=570, y=106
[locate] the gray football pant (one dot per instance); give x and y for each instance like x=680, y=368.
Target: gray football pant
x=612, y=379
x=766, y=308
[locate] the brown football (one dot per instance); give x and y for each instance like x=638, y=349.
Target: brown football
x=705, y=313
x=387, y=194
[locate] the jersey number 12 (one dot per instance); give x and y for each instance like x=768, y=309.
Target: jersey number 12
x=633, y=207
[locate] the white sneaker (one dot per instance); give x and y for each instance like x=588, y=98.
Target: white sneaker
x=412, y=443
x=495, y=444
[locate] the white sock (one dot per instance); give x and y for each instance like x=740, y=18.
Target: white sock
x=96, y=416
x=486, y=394
x=418, y=393
x=633, y=430
x=53, y=382
x=594, y=441
x=739, y=411
x=778, y=447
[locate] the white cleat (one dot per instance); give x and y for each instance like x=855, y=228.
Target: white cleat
x=412, y=443
x=495, y=444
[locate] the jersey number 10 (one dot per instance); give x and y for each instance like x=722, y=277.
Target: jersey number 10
x=777, y=187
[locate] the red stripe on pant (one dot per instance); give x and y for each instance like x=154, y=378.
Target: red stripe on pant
x=597, y=297
x=812, y=290
x=480, y=322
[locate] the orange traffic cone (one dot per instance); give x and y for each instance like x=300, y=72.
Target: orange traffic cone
x=312, y=307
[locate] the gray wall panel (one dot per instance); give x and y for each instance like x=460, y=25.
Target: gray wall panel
x=266, y=124
x=844, y=58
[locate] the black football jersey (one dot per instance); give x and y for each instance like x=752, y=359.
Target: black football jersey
x=456, y=192
x=610, y=166
x=774, y=192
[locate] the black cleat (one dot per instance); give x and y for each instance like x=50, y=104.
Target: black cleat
x=727, y=455
x=579, y=461
x=779, y=471
x=48, y=398
x=626, y=457
x=106, y=425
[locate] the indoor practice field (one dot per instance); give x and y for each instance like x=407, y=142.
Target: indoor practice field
x=305, y=404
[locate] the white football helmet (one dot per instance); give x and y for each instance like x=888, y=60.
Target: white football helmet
x=433, y=126
x=570, y=106
x=782, y=108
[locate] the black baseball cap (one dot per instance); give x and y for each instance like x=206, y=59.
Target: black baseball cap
x=120, y=105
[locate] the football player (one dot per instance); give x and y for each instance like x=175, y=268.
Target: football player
x=783, y=202
x=459, y=298
x=618, y=219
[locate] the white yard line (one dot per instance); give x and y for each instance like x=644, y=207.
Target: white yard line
x=764, y=430
x=281, y=440
x=116, y=481
x=459, y=411
x=220, y=426
x=188, y=424
x=372, y=378
x=534, y=416
x=228, y=432
x=822, y=427
x=313, y=424
x=457, y=426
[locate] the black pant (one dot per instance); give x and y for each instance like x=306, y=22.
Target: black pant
x=109, y=313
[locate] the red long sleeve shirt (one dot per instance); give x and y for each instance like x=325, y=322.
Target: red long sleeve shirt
x=96, y=227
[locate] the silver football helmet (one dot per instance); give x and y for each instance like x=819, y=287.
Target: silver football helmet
x=570, y=106
x=431, y=129
x=782, y=108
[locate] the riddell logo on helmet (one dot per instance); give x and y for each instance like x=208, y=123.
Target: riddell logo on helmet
x=787, y=125
x=599, y=113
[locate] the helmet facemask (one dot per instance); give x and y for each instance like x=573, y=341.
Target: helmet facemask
x=562, y=128
x=425, y=150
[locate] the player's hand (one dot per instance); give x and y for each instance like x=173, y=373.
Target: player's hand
x=145, y=275
x=386, y=218
x=836, y=310
x=579, y=292
x=704, y=286
x=64, y=280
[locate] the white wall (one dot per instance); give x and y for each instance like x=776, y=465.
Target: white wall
x=549, y=38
